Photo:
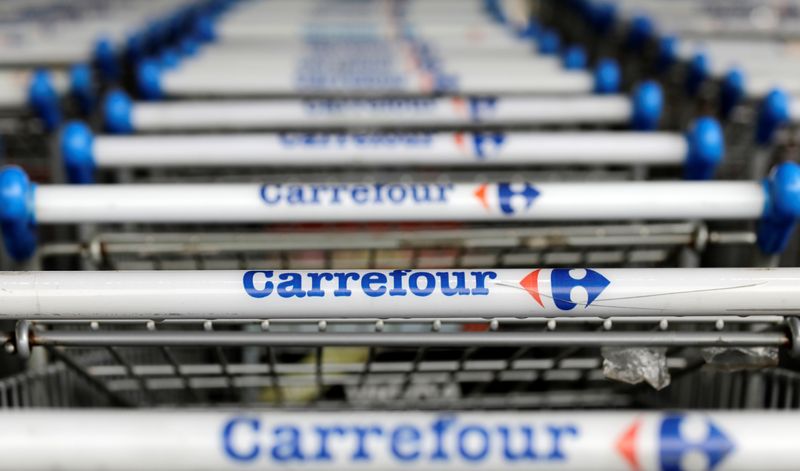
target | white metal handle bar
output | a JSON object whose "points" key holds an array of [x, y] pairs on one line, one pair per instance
{"points": [[701, 150], [353, 294], [776, 203], [641, 111], [218, 441]]}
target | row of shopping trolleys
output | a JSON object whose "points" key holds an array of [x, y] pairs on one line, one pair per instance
{"points": [[395, 253]]}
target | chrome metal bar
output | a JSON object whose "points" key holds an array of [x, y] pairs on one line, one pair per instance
{"points": [[497, 339]]}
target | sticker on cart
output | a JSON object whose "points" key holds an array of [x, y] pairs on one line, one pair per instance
{"points": [[563, 284], [684, 443]]}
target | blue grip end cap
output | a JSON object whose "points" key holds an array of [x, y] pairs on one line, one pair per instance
{"points": [[204, 29], [602, 16], [607, 77], [134, 47], [782, 208], [706, 149], [81, 87], [549, 43], [667, 53], [169, 59], [731, 92], [77, 142], [148, 80], [640, 32], [105, 58], [117, 108], [575, 58], [188, 47], [697, 73], [43, 99], [773, 113], [648, 105], [17, 220]]}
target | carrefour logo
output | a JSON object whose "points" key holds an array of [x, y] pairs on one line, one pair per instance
{"points": [[684, 443], [342, 140], [563, 283], [442, 440], [481, 145], [358, 194], [265, 283], [512, 198]]}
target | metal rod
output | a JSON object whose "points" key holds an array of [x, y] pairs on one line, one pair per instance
{"points": [[497, 339]]}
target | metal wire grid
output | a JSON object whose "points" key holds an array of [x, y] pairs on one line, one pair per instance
{"points": [[383, 363], [357, 246]]}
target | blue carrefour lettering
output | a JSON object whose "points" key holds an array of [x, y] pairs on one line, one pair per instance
{"points": [[301, 284], [357, 194], [250, 287], [342, 140], [435, 442], [229, 432]]}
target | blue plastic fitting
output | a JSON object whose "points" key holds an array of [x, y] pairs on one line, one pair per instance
{"points": [[17, 218], [105, 58], [531, 30], [781, 209], [81, 88], [77, 143], [639, 33], [706, 149], [607, 77], [602, 16], [169, 59], [117, 108], [43, 99], [697, 73], [549, 42], [648, 104], [574, 58], [667, 53], [204, 29], [188, 47], [135, 47], [148, 79], [731, 92], [773, 113]]}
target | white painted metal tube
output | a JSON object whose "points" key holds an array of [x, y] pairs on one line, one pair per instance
{"points": [[391, 149], [352, 294], [274, 202], [253, 114], [182, 82], [235, 440]]}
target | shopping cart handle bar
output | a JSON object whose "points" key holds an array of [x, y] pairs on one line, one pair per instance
{"points": [[320, 438], [407, 293], [701, 150], [22, 205]]}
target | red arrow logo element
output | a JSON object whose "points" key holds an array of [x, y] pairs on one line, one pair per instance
{"points": [[480, 193], [626, 445], [531, 285]]}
